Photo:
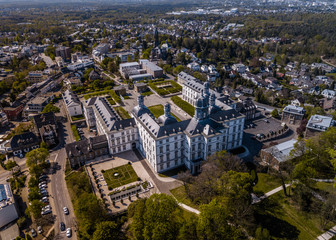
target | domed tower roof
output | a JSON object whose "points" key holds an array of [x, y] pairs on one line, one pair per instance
{"points": [[141, 108], [206, 88], [167, 118]]}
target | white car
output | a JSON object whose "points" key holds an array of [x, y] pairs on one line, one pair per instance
{"points": [[39, 229], [68, 232], [66, 210]]}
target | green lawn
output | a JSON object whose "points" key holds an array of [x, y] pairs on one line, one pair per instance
{"points": [[96, 94], [327, 187], [75, 132], [181, 196], [126, 174], [285, 221], [185, 106], [122, 112], [149, 92], [78, 117], [157, 111], [266, 183]]}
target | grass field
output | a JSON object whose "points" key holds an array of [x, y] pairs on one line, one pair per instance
{"points": [[285, 220], [181, 196], [122, 112], [126, 174], [75, 132], [185, 106], [266, 183], [157, 111]]}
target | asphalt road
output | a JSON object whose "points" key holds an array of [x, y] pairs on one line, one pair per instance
{"points": [[59, 193]]}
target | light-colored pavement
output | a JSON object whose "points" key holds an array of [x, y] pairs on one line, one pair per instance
{"points": [[49, 62], [328, 234], [256, 199], [58, 191], [188, 208]]}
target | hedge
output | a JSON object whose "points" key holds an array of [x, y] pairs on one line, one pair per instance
{"points": [[185, 106]]}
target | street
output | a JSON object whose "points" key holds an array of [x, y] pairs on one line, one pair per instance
{"points": [[59, 193]]}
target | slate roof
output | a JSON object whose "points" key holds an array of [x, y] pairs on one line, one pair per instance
{"points": [[70, 98], [86, 146], [44, 119], [108, 115], [24, 139]]}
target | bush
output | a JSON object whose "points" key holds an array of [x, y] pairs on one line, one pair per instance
{"points": [[103, 171], [10, 164], [110, 188]]}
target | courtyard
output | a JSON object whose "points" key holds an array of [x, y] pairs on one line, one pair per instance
{"points": [[120, 176]]}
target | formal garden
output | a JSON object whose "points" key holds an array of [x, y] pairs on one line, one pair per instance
{"points": [[158, 110], [165, 87], [119, 176]]}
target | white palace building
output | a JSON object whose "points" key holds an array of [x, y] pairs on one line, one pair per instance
{"points": [[165, 142]]}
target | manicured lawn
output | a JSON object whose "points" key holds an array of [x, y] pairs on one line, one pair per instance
{"points": [[285, 220], [185, 106], [75, 132], [165, 87], [122, 112], [126, 174], [181, 196], [76, 118], [266, 183], [147, 93], [96, 94], [157, 111]]}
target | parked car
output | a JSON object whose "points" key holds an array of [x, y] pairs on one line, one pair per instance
{"points": [[46, 212], [39, 229], [33, 232], [62, 226], [43, 186], [42, 183], [69, 233], [66, 210]]}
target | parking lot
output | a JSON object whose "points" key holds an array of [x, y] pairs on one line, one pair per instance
{"points": [[263, 125]]}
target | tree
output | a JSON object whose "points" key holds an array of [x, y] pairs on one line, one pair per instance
{"points": [[51, 108], [166, 212], [106, 231], [10, 164], [34, 194], [178, 69], [213, 222], [35, 208], [262, 234], [275, 113], [37, 156]]}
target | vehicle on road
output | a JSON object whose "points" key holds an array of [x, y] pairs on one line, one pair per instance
{"points": [[66, 210], [62, 226], [68, 232]]}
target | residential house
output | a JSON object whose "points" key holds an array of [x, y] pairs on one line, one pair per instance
{"points": [[23, 143], [317, 124], [292, 114], [80, 152], [47, 128], [72, 103]]}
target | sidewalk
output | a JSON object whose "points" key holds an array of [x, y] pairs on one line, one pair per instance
{"points": [[328, 234], [256, 199]]}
